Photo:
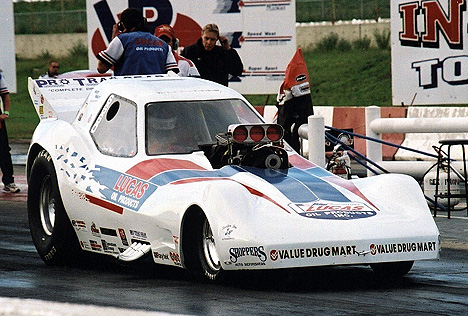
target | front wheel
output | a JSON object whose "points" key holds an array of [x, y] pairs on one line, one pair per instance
{"points": [[51, 230], [201, 256]]}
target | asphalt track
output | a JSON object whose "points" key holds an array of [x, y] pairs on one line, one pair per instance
{"points": [[29, 287]]}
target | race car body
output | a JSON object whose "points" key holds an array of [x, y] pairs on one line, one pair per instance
{"points": [[186, 171]]}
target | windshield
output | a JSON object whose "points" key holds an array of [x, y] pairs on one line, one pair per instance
{"points": [[180, 126]]}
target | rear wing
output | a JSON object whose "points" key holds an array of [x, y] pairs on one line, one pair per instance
{"points": [[60, 98]]}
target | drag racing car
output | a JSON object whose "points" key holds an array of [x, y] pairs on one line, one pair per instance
{"points": [[186, 172]]}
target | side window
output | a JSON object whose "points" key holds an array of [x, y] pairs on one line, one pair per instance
{"points": [[114, 131]]}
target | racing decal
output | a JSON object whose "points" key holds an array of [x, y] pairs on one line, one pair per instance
{"points": [[109, 247], [108, 231], [96, 246], [175, 258], [138, 234], [95, 230], [123, 237], [239, 252], [315, 252], [160, 256], [427, 246], [84, 245], [79, 225], [121, 190], [227, 230], [332, 210]]}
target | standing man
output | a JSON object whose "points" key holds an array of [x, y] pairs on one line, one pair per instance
{"points": [[6, 164], [52, 72], [134, 50], [214, 62], [186, 67]]}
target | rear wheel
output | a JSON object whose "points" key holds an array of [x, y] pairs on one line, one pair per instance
{"points": [[51, 230], [389, 270]]}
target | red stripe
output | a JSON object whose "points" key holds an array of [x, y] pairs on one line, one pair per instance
{"points": [[260, 194], [149, 168], [110, 206]]}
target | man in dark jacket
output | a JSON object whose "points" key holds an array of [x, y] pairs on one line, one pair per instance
{"points": [[214, 62]]}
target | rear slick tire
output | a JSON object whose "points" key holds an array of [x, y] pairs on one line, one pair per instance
{"points": [[50, 227]]}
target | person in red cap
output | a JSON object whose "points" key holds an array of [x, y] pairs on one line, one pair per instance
{"points": [[186, 67]]}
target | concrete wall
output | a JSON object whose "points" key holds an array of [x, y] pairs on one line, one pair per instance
{"points": [[58, 45], [308, 35]]}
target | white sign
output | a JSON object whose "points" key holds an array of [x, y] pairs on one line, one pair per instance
{"points": [[429, 52], [7, 38], [262, 32]]}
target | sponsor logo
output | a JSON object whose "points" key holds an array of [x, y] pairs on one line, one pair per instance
{"points": [[330, 210], [227, 230], [175, 258], [79, 225], [238, 252], [95, 245], [138, 234], [108, 231], [109, 247], [316, 252], [427, 246], [161, 256], [130, 189], [95, 230], [123, 237]]}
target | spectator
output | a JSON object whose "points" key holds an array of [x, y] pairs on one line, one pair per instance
{"points": [[134, 50], [214, 62], [52, 72], [6, 164], [186, 67]]}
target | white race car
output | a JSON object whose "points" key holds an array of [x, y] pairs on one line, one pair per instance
{"points": [[187, 172]]}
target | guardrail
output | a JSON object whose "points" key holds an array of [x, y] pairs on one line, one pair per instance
{"points": [[375, 127]]}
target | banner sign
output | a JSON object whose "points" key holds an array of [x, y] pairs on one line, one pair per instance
{"points": [[262, 31], [429, 52]]}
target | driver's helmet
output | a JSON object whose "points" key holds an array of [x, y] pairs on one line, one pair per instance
{"points": [[164, 119]]}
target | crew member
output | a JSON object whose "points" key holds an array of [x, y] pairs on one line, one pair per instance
{"points": [[134, 50], [214, 62]]}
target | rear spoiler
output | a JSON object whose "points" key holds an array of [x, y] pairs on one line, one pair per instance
{"points": [[60, 98]]}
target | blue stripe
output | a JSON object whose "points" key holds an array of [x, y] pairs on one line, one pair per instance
{"points": [[300, 186]]}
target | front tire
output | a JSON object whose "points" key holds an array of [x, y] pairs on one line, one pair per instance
{"points": [[201, 256], [51, 230], [392, 270]]}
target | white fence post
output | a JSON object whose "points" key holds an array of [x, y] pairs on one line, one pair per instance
{"points": [[316, 137], [373, 149]]}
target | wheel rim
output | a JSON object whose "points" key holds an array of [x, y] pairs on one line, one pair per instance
{"points": [[47, 206], [209, 248]]}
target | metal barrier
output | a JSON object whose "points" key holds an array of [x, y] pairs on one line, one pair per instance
{"points": [[375, 126]]}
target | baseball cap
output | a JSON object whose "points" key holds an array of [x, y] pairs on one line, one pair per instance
{"points": [[166, 30]]}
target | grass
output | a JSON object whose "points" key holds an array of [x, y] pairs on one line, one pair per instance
{"points": [[338, 78], [346, 78]]}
